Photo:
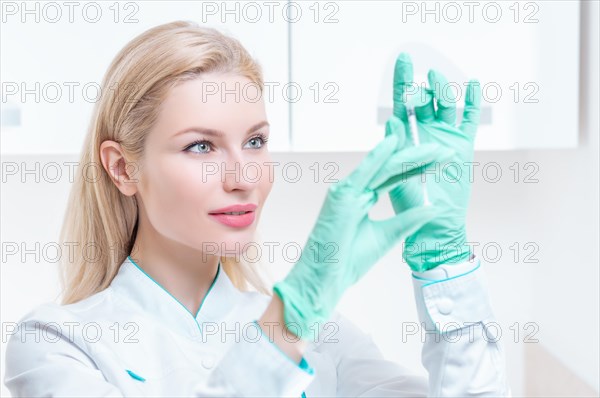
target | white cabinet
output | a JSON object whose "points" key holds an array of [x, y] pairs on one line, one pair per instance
{"points": [[525, 54], [57, 67]]}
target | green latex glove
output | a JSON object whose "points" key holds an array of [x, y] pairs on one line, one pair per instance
{"points": [[345, 243], [443, 240]]}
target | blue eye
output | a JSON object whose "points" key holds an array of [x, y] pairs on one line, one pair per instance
{"points": [[260, 137], [209, 144], [204, 143]]}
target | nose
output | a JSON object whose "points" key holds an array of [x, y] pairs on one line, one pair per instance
{"points": [[238, 174]]}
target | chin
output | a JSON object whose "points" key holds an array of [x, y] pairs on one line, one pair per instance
{"points": [[238, 243]]}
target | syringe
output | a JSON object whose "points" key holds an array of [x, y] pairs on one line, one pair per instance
{"points": [[414, 132]]}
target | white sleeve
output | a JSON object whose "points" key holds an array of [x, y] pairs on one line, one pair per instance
{"points": [[454, 311], [58, 366], [259, 369], [42, 362], [461, 352]]}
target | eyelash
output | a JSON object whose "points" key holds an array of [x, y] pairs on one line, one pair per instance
{"points": [[263, 137]]}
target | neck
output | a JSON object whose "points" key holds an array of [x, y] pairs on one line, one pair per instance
{"points": [[184, 272]]}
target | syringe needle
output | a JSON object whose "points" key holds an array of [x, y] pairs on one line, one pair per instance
{"points": [[414, 132]]}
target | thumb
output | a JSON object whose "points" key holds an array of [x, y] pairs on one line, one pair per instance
{"points": [[395, 126]]}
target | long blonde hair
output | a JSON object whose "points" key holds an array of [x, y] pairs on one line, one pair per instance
{"points": [[98, 215]]}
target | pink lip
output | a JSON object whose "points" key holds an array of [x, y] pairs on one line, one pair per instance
{"points": [[234, 208], [233, 220]]}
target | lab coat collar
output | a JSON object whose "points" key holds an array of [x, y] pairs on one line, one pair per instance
{"points": [[134, 283]]}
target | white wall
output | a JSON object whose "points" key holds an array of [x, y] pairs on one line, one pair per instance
{"points": [[564, 217]]}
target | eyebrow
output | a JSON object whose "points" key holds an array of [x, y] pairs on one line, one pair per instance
{"points": [[218, 133]]}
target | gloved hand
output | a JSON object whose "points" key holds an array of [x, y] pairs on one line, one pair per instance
{"points": [[443, 240], [344, 243]]}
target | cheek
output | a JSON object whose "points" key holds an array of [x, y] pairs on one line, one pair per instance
{"points": [[177, 197], [269, 172], [264, 186], [266, 182]]}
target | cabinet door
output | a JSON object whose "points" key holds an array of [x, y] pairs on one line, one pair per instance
{"points": [[54, 56], [525, 54]]}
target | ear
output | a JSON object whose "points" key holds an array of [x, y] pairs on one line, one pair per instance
{"points": [[122, 173]]}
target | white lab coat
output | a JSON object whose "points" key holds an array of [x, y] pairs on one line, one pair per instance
{"points": [[135, 339]]}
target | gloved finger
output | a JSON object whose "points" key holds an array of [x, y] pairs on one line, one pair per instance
{"points": [[408, 163], [423, 103], [404, 224], [444, 97], [370, 165], [396, 126], [403, 82], [407, 195], [472, 112]]}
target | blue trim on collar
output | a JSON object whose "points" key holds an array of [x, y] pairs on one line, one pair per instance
{"points": [[209, 288], [174, 298]]}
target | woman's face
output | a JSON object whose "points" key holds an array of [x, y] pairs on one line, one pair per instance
{"points": [[187, 174]]}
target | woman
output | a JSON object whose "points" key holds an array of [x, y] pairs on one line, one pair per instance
{"points": [[157, 299]]}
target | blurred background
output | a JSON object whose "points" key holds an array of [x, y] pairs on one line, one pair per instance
{"points": [[534, 209]]}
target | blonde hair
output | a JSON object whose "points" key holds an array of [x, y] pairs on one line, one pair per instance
{"points": [[98, 214]]}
